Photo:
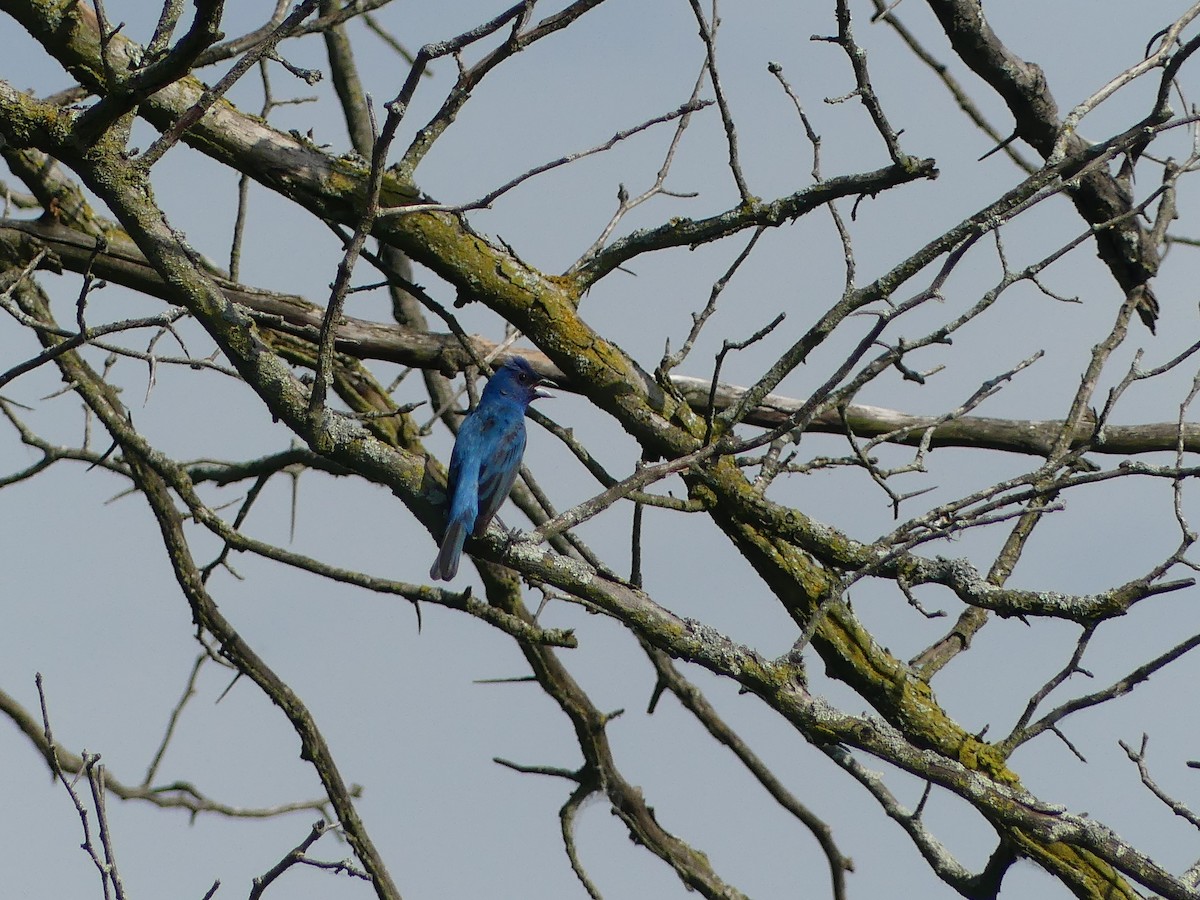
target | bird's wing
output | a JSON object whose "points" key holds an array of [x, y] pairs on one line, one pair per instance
{"points": [[462, 482], [504, 438]]}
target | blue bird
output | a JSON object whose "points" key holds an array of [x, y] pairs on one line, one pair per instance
{"points": [[486, 458]]}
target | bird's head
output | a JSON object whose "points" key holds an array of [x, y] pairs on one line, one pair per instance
{"points": [[518, 380]]}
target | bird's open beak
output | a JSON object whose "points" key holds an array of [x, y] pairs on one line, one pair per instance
{"points": [[539, 394]]}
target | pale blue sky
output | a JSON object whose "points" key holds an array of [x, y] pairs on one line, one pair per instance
{"points": [[92, 604]]}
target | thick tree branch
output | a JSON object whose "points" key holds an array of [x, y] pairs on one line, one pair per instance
{"points": [[122, 263], [1098, 196]]}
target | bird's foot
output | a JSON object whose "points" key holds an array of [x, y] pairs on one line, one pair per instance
{"points": [[511, 535]]}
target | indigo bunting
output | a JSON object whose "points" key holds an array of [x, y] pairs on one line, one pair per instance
{"points": [[486, 457]]}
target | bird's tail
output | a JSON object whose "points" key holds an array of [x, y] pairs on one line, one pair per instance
{"points": [[445, 567]]}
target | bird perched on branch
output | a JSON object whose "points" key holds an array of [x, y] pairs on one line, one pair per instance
{"points": [[486, 458]]}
